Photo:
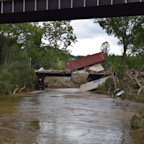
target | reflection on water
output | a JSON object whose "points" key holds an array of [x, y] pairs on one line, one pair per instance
{"points": [[62, 116]]}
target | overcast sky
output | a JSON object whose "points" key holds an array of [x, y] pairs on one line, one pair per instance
{"points": [[90, 37]]}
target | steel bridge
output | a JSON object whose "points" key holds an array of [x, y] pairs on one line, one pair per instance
{"points": [[16, 11]]}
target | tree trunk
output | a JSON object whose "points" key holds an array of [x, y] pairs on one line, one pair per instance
{"points": [[124, 61]]}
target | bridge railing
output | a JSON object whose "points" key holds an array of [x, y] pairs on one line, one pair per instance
{"points": [[16, 6]]}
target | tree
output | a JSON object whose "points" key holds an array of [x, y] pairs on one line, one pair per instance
{"points": [[38, 40], [128, 30], [105, 48], [45, 39], [46, 42]]}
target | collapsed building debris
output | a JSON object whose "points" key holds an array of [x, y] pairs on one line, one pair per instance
{"points": [[88, 73], [97, 68], [85, 61], [79, 77], [93, 84], [83, 67], [120, 93]]}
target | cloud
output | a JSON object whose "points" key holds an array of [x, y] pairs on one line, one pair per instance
{"points": [[90, 46], [86, 28], [90, 37]]}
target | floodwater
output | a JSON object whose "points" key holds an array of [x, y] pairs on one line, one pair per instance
{"points": [[64, 116]]}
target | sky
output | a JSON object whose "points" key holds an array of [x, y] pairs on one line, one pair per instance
{"points": [[90, 37]]}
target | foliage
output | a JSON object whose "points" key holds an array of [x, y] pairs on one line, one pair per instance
{"points": [[106, 88], [40, 40], [13, 72], [32, 45], [129, 31], [115, 63], [137, 121]]}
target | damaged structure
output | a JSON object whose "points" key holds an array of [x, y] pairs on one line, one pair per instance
{"points": [[85, 62], [86, 73], [86, 66]]}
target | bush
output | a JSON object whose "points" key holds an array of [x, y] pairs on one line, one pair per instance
{"points": [[15, 76], [106, 88], [138, 121], [135, 122]]}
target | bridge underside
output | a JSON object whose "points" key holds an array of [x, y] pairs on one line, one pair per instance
{"points": [[129, 9]]}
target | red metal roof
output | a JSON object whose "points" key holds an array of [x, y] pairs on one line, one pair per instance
{"points": [[85, 61]]}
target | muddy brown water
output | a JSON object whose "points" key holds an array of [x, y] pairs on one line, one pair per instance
{"points": [[65, 116]]}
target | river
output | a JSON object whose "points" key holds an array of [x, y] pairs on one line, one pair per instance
{"points": [[64, 116]]}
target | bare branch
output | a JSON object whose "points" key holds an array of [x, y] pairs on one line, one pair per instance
{"points": [[15, 90]]}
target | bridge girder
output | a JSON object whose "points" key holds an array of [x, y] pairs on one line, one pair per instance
{"points": [[16, 11]]}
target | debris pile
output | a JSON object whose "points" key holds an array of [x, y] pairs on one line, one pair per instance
{"points": [[137, 81], [93, 84], [79, 77], [131, 87], [88, 73]]}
